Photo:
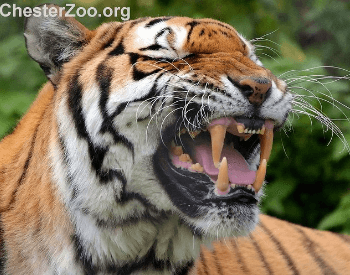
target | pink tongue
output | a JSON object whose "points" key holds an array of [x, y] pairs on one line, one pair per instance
{"points": [[238, 171]]}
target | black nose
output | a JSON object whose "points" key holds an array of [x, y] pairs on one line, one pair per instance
{"points": [[255, 89]]}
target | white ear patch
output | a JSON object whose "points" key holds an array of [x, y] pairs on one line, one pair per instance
{"points": [[180, 39], [145, 36]]}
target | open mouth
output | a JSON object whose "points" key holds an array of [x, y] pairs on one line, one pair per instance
{"points": [[221, 152], [215, 165]]}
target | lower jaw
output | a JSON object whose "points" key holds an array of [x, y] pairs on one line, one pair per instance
{"points": [[193, 193]]}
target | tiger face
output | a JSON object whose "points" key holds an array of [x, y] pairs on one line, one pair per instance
{"points": [[178, 111], [156, 118]]}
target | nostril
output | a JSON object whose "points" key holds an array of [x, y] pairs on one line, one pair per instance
{"points": [[246, 90]]}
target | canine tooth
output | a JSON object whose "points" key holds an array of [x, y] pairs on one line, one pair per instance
{"points": [[260, 176], [266, 142], [222, 183], [240, 128], [185, 158], [177, 150], [197, 167], [217, 134]]}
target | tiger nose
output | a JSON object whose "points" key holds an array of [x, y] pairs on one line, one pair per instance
{"points": [[256, 90]]}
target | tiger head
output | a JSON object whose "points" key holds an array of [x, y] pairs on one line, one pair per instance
{"points": [[160, 117]]}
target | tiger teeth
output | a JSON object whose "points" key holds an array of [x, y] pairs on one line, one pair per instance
{"points": [[252, 131], [217, 134], [260, 176], [192, 134], [197, 167], [222, 183], [185, 158], [176, 150], [240, 128]]}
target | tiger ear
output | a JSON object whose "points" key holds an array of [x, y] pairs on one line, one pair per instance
{"points": [[53, 39]]}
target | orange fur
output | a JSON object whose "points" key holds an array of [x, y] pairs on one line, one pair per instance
{"points": [[29, 204], [277, 247]]}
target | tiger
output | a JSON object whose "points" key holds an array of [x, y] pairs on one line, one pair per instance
{"points": [[147, 145]]}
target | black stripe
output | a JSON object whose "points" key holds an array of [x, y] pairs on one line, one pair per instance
{"points": [[137, 74], [118, 50], [104, 78], [112, 223], [121, 107], [137, 21], [261, 255], [219, 24], [80, 256], [281, 249], [25, 167], [69, 178], [128, 196], [184, 270], [74, 103], [311, 248], [148, 261], [192, 25], [113, 36], [154, 47], [239, 256], [156, 21], [96, 153]]}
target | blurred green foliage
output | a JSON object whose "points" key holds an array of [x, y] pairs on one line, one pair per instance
{"points": [[309, 171]]}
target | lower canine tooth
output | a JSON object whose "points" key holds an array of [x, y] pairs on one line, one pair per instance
{"points": [[266, 141], [217, 134], [185, 158], [222, 183], [260, 176]]}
